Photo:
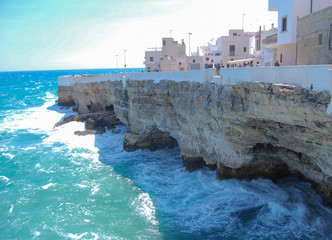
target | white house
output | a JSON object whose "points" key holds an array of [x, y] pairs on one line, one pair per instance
{"points": [[260, 45], [288, 12], [235, 46], [152, 60]]}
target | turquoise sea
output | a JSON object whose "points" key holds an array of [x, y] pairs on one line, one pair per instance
{"points": [[56, 185]]}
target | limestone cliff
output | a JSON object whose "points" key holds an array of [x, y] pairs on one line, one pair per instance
{"points": [[246, 130]]}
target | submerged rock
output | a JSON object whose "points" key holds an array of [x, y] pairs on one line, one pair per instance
{"points": [[192, 163], [100, 130], [84, 133], [90, 124]]}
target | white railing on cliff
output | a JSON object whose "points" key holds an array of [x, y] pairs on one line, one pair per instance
{"points": [[193, 76], [317, 77]]}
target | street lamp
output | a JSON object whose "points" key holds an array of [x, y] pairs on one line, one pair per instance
{"points": [[125, 59], [117, 63], [189, 44]]}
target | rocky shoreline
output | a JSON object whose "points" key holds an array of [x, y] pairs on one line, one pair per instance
{"points": [[96, 122], [244, 130]]}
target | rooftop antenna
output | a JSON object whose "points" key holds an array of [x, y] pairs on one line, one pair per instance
{"points": [[189, 43], [117, 63], [125, 65]]}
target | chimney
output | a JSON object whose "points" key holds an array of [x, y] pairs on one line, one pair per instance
{"points": [[272, 26]]}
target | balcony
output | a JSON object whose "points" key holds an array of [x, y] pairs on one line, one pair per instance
{"points": [[271, 39]]}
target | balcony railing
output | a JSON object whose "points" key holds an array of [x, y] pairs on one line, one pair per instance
{"points": [[271, 39]]}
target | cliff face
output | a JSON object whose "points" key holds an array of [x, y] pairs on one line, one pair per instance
{"points": [[246, 130]]}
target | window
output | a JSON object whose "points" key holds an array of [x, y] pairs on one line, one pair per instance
{"points": [[234, 34], [194, 61], [280, 58], [151, 59], [232, 50], [164, 42], [320, 39], [244, 49], [179, 63], [284, 24]]}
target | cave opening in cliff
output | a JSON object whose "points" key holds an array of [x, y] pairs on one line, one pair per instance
{"points": [[109, 108]]}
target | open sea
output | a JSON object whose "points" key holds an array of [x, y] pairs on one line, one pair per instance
{"points": [[56, 185]]}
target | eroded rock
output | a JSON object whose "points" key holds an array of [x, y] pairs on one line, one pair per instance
{"points": [[248, 130], [153, 141], [84, 133]]}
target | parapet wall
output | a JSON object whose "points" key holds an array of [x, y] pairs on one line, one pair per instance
{"points": [[192, 76], [318, 77], [310, 77]]}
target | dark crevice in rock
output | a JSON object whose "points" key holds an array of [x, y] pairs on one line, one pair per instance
{"points": [[109, 108], [252, 171], [268, 161], [153, 140], [70, 103], [192, 163]]}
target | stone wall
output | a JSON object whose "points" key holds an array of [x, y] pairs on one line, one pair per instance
{"points": [[310, 49]]}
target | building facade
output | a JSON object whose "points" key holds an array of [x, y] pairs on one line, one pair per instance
{"points": [[235, 46], [174, 57], [152, 60], [261, 46], [314, 38], [288, 13], [171, 58]]}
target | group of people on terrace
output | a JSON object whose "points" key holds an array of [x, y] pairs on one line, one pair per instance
{"points": [[246, 64]]}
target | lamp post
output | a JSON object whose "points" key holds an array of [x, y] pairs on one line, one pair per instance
{"points": [[125, 59], [189, 44], [117, 63]]}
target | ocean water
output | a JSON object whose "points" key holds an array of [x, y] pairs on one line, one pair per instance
{"points": [[56, 185]]}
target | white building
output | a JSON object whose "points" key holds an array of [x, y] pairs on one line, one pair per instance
{"points": [[235, 46], [261, 46], [152, 60], [288, 12], [174, 57], [171, 58]]}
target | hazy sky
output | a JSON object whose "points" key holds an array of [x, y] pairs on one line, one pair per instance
{"points": [[70, 34]]}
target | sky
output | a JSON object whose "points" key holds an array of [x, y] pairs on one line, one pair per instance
{"points": [[81, 34]]}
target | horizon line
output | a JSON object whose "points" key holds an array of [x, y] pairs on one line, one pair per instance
{"points": [[39, 70]]}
